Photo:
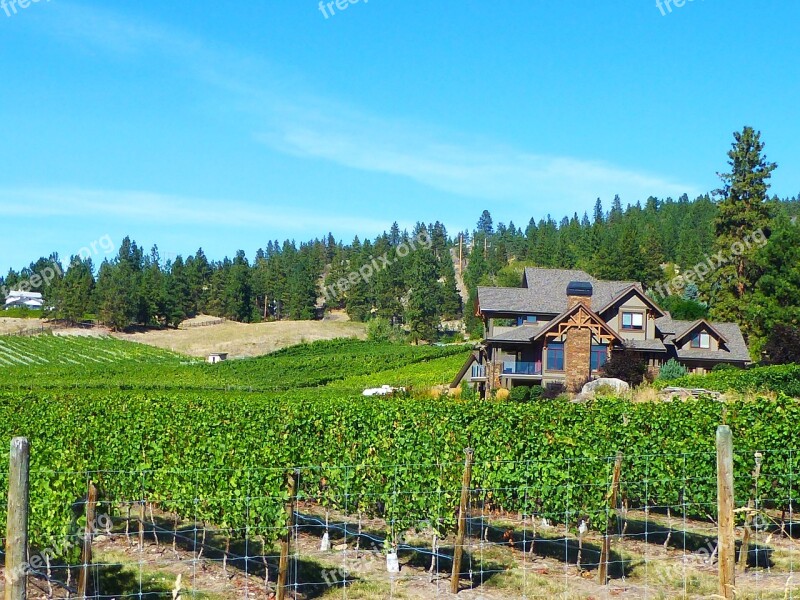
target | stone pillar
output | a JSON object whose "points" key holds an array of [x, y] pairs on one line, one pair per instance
{"points": [[585, 300], [493, 372], [577, 350]]}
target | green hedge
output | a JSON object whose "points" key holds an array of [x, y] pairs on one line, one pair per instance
{"points": [[781, 378]]}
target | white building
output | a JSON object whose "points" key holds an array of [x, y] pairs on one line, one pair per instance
{"points": [[18, 299]]}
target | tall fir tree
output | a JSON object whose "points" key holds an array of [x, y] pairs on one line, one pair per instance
{"points": [[742, 211]]}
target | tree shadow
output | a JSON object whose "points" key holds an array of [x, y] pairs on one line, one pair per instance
{"points": [[651, 532]]}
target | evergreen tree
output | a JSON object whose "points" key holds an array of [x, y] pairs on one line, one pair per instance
{"points": [[238, 298], [485, 225], [75, 293], [117, 294], [742, 211], [775, 300], [423, 311]]}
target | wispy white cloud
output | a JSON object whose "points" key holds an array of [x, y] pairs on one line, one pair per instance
{"points": [[309, 126], [137, 207], [475, 169]]}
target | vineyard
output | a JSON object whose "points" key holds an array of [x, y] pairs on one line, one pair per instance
{"points": [[207, 448], [57, 351], [51, 362]]}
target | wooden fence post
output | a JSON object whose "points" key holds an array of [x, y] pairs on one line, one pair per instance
{"points": [[86, 551], [283, 565], [462, 520], [725, 503], [748, 520], [17, 535], [613, 497]]}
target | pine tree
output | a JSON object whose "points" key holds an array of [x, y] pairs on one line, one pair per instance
{"points": [[742, 212], [485, 225], [117, 293], [423, 311], [238, 292], [776, 297], [75, 293]]}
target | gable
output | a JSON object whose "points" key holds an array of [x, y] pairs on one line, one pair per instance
{"points": [[579, 317], [632, 297]]}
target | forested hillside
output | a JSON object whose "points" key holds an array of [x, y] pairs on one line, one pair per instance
{"points": [[409, 278]]}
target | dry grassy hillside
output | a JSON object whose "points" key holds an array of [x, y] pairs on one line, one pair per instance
{"points": [[240, 340]]}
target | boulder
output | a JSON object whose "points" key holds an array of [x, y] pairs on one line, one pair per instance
{"points": [[617, 385]]}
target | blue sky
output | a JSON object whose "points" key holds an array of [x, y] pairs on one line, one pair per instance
{"points": [[225, 125]]}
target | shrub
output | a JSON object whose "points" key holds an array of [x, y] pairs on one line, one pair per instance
{"points": [[672, 369], [552, 391], [467, 393], [627, 366], [535, 393], [606, 390], [502, 394], [725, 367], [783, 345], [520, 394], [477, 332], [381, 330], [451, 337]]}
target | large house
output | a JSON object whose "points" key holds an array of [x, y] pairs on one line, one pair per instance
{"points": [[561, 327], [18, 299]]}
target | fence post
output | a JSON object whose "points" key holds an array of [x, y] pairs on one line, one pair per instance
{"points": [[86, 551], [283, 565], [748, 521], [605, 552], [725, 504], [462, 520], [17, 535]]}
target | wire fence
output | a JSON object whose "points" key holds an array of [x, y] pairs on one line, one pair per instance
{"points": [[584, 527]]}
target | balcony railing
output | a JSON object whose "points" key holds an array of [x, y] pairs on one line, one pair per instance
{"points": [[511, 367], [478, 372]]}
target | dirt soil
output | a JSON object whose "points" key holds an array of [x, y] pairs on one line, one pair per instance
{"points": [[499, 562], [15, 326]]}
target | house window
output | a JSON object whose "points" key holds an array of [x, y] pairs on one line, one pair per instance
{"points": [[555, 356], [599, 357], [528, 319], [701, 340], [633, 321]]}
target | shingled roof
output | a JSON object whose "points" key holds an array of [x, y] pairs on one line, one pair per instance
{"points": [[523, 333], [735, 348], [545, 291]]}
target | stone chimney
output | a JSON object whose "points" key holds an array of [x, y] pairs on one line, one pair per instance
{"points": [[578, 344], [579, 292]]}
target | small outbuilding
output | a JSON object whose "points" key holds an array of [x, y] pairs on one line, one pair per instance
{"points": [[217, 357]]}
